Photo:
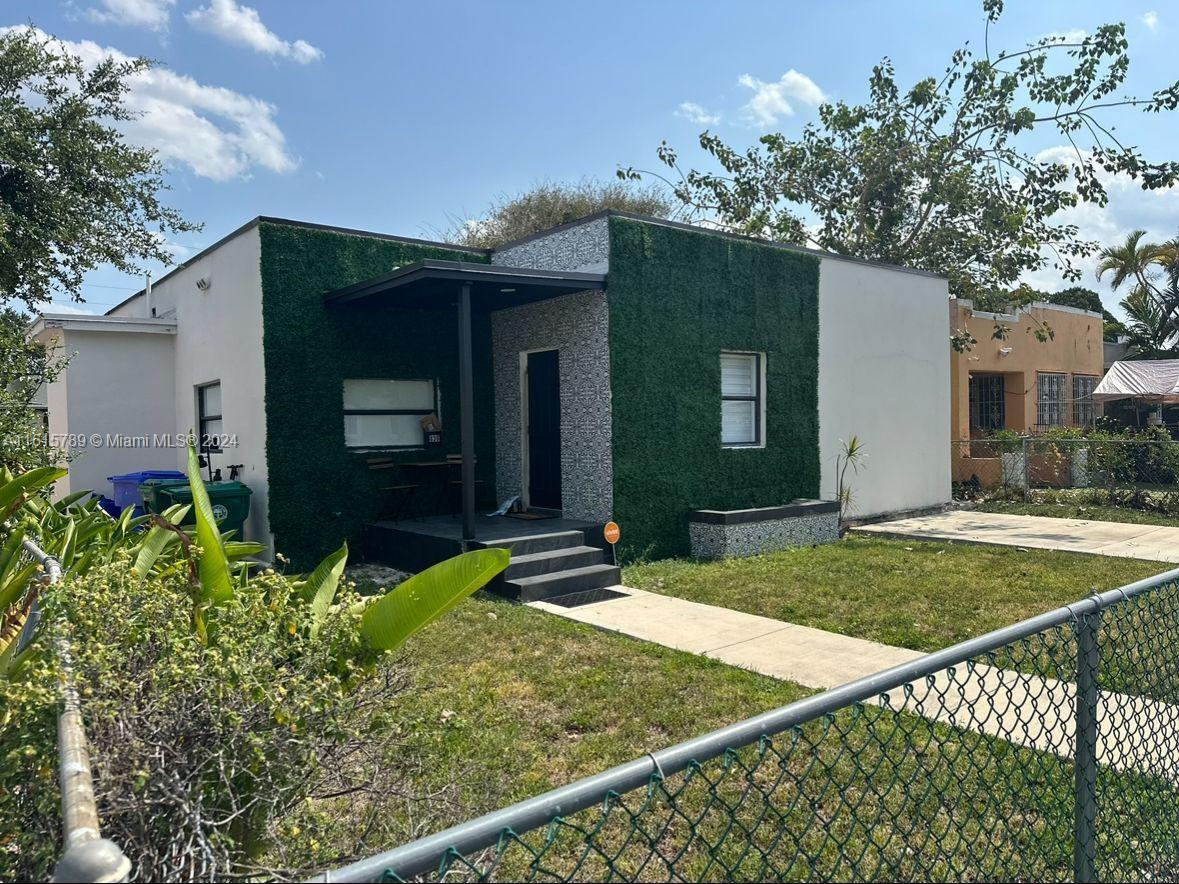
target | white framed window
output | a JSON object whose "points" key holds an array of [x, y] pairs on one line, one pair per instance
{"points": [[743, 401], [1085, 410], [209, 423], [386, 413], [1050, 399]]}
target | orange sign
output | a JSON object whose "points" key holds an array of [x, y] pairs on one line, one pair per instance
{"points": [[612, 532]]}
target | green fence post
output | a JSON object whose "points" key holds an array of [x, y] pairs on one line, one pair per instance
{"points": [[1085, 755]]}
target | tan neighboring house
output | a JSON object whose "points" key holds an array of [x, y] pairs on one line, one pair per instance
{"points": [[1019, 382]]}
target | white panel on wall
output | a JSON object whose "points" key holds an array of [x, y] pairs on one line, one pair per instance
{"points": [[884, 376]]}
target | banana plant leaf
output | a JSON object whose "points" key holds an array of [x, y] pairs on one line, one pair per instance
{"points": [[241, 549], [213, 570], [393, 618], [13, 491], [319, 590]]}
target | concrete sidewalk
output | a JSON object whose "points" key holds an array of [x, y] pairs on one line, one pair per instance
{"points": [[1157, 543], [1020, 708], [811, 657]]}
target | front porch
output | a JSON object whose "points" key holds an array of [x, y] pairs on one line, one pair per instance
{"points": [[551, 557], [539, 422]]}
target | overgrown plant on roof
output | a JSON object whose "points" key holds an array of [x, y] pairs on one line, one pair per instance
{"points": [[551, 203]]}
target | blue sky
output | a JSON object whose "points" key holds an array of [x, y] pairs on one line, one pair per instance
{"points": [[400, 117]]}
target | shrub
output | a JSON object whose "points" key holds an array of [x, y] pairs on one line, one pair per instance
{"points": [[217, 701]]}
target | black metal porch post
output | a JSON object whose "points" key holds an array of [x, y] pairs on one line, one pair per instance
{"points": [[467, 414]]}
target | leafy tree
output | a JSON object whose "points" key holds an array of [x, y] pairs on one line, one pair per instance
{"points": [[1086, 299], [1152, 306], [25, 366], [548, 204], [940, 175], [1078, 297], [73, 193]]}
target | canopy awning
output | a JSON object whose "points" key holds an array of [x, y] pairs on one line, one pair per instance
{"points": [[435, 284], [1152, 380], [464, 287]]}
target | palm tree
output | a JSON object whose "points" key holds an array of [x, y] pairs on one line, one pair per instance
{"points": [[1133, 259], [1147, 327], [1152, 307]]}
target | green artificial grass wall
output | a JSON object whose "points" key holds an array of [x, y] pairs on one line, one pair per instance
{"points": [[320, 491], [677, 298]]}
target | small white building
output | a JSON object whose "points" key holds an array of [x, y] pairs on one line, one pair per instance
{"points": [[621, 368]]}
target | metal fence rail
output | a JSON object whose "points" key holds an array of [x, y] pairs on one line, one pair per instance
{"points": [[87, 856], [1048, 750]]}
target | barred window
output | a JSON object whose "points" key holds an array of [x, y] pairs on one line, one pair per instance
{"points": [[1084, 408], [987, 406], [1050, 400]]}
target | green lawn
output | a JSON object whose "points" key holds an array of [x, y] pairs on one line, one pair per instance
{"points": [[908, 593], [1079, 511], [502, 702]]}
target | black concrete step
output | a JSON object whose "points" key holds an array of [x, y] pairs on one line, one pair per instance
{"points": [[550, 561], [528, 544], [543, 586]]}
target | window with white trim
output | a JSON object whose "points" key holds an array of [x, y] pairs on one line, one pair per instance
{"points": [[383, 413], [209, 424], [1050, 399], [742, 399], [1085, 410]]}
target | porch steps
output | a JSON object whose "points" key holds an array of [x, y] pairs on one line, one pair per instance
{"points": [[547, 565], [534, 543], [546, 586], [551, 561]]}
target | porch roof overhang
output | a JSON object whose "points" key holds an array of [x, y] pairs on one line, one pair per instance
{"points": [[433, 284]]}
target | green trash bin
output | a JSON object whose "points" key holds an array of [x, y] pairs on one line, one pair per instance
{"points": [[230, 501], [154, 493]]}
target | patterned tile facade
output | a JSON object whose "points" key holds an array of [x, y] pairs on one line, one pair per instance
{"points": [[752, 538], [584, 248], [577, 326]]}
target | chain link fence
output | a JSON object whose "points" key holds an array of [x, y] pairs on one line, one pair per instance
{"points": [[1045, 751], [1122, 470]]}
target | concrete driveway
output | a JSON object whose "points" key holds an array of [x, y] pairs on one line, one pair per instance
{"points": [[1152, 542]]}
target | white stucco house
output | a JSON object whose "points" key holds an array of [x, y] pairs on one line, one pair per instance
{"points": [[616, 367]]}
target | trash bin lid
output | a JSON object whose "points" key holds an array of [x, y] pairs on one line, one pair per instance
{"points": [[215, 489], [145, 475]]}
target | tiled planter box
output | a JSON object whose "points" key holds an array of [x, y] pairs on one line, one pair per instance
{"points": [[719, 534]]}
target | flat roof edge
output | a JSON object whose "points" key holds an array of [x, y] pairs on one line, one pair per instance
{"points": [[307, 225], [696, 228], [95, 322]]}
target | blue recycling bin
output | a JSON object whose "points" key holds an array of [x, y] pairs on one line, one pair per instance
{"points": [[127, 486]]}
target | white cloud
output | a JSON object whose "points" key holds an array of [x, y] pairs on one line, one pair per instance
{"points": [[242, 25], [694, 113], [1151, 19], [216, 132], [151, 14], [73, 308], [1129, 208], [772, 101]]}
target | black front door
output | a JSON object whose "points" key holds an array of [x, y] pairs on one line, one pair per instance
{"points": [[544, 430]]}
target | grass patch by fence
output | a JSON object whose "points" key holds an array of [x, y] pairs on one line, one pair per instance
{"points": [[504, 702], [1069, 510], [913, 594]]}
